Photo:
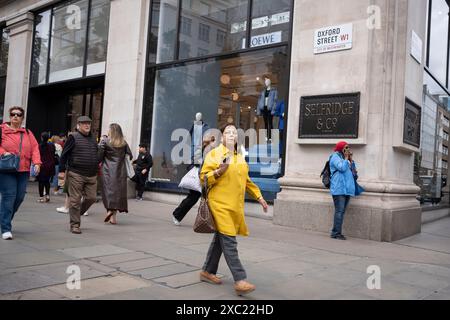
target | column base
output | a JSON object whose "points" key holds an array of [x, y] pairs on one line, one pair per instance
{"points": [[373, 216]]}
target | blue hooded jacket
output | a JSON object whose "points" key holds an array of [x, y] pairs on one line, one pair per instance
{"points": [[342, 180]]}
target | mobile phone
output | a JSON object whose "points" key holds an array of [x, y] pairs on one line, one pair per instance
{"points": [[225, 160]]}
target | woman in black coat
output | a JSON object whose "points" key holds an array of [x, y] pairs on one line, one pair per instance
{"points": [[48, 158], [113, 151]]}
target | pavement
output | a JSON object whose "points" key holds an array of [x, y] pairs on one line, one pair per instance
{"points": [[146, 257]]}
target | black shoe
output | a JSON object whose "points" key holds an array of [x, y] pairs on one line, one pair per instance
{"points": [[339, 237]]}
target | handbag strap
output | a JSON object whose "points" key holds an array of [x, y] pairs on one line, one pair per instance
{"points": [[205, 190]]}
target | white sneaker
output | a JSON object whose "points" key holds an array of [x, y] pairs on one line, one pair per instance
{"points": [[86, 213], [175, 221], [7, 236], [62, 210]]}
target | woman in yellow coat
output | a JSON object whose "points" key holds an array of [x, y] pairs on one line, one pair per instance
{"points": [[227, 175]]}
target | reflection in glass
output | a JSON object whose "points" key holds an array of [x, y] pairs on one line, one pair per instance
{"points": [[163, 31], [4, 50], [98, 37], [269, 17], [224, 91], [439, 39], [40, 48], [214, 27], [68, 40]]}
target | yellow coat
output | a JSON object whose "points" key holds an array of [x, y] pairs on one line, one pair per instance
{"points": [[227, 193]]}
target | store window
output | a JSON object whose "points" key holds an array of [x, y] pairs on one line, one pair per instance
{"points": [[70, 41], [225, 91], [439, 40], [216, 24], [4, 51], [228, 86]]}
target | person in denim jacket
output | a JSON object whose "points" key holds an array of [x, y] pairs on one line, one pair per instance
{"points": [[342, 185]]}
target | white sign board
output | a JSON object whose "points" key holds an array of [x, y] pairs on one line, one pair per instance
{"points": [[333, 38], [264, 39], [416, 47]]}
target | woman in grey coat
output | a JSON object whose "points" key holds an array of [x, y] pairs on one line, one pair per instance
{"points": [[112, 152]]}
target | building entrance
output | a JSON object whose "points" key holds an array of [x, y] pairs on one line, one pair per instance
{"points": [[56, 108]]}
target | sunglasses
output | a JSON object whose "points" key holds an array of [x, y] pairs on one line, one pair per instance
{"points": [[16, 114]]}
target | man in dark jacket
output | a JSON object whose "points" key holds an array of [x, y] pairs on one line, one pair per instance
{"points": [[143, 163], [79, 158]]}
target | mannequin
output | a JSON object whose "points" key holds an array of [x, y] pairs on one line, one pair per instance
{"points": [[267, 105], [198, 129]]}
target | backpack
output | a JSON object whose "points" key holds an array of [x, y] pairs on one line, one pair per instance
{"points": [[326, 175]]}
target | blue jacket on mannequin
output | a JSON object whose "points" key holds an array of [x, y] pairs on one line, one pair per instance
{"points": [[271, 104]]}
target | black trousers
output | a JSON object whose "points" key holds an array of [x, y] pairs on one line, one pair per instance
{"points": [[44, 185], [140, 180], [268, 122], [186, 204]]}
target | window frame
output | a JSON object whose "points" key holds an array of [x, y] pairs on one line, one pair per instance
{"points": [[151, 68], [446, 84], [50, 38]]}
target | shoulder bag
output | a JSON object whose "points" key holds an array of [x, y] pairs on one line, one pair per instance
{"points": [[204, 223], [11, 162]]}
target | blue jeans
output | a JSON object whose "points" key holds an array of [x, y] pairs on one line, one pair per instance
{"points": [[12, 190], [55, 178], [340, 204]]}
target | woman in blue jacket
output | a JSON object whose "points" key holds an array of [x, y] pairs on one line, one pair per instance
{"points": [[342, 185]]}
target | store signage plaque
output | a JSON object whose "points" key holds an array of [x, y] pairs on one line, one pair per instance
{"points": [[329, 116], [411, 126]]}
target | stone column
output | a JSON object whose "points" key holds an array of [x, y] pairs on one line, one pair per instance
{"points": [[125, 68], [125, 71], [380, 67], [19, 59]]}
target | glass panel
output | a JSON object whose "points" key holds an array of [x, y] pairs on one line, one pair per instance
{"points": [[2, 97], [68, 40], [212, 27], [439, 39], [429, 172], [98, 37], [270, 22], [163, 31], [224, 91], [40, 48], [4, 50]]}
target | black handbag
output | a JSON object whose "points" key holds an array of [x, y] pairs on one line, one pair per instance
{"points": [[11, 162]]}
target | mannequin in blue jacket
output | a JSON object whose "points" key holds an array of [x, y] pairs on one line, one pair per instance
{"points": [[267, 103], [342, 185]]}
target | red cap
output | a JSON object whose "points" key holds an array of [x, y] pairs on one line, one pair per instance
{"points": [[340, 146]]}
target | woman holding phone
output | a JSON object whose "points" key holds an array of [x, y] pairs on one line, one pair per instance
{"points": [[342, 186], [226, 173]]}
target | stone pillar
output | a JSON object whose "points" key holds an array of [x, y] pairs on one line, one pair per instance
{"points": [[19, 59], [380, 67], [125, 68]]}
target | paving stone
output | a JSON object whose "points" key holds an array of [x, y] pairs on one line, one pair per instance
{"points": [[339, 275], [162, 271], [438, 296], [33, 258], [420, 279], [93, 288], [393, 290], [117, 258], [386, 267], [36, 294], [326, 258], [142, 264], [94, 251], [13, 247], [22, 279], [440, 271], [181, 280], [288, 266]]}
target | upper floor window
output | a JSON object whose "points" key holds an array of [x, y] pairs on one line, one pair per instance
{"points": [[203, 32], [70, 41]]}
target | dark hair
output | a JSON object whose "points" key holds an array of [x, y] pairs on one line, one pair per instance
{"points": [[17, 108], [44, 138], [143, 145]]}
